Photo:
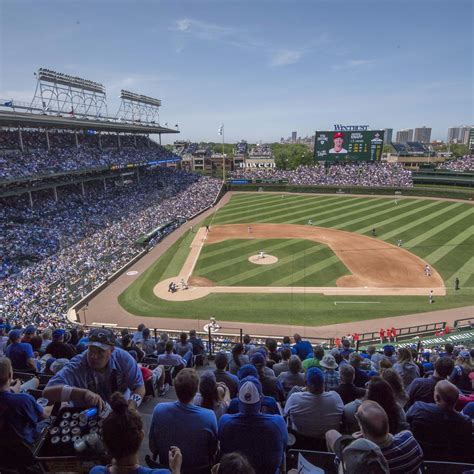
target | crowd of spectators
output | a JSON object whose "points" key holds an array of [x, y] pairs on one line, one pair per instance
{"points": [[403, 407], [64, 160], [53, 252], [464, 163], [347, 174]]}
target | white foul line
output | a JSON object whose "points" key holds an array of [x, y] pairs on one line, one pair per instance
{"points": [[356, 302]]}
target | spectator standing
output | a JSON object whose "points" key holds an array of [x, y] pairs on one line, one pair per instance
{"points": [[346, 348], [138, 334], [161, 344], [248, 345], [302, 348], [170, 359], [184, 348], [198, 346], [193, 429], [262, 438], [148, 344]]}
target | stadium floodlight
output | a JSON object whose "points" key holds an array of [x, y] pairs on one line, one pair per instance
{"points": [[139, 108], [63, 94]]}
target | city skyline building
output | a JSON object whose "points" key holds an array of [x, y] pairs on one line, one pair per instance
{"points": [[422, 134], [405, 135], [387, 135]]}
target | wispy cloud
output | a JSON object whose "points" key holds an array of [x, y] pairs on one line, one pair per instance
{"points": [[352, 64], [203, 29], [286, 57]]}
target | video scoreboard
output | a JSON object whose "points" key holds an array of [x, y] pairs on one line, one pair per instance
{"points": [[363, 145]]}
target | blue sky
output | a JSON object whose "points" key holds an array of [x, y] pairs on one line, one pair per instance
{"points": [[262, 67]]}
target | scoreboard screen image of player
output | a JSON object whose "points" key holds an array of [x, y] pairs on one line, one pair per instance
{"points": [[366, 145]]}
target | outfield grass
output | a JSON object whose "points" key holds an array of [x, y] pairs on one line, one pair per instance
{"points": [[441, 232]]}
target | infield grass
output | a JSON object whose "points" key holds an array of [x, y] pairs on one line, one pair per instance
{"points": [[441, 232]]}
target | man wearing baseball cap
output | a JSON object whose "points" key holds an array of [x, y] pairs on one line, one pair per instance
{"points": [[20, 353], [314, 411], [91, 377], [338, 138], [58, 348], [262, 438]]}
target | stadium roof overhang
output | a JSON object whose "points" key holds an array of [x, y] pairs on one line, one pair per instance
{"points": [[28, 120]]}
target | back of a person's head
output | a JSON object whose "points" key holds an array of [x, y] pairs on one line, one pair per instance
{"points": [[285, 353], [444, 366], [186, 385], [246, 371], [449, 348], [404, 355], [380, 391], [47, 334], [247, 339], [192, 333], [446, 393], [122, 430], [237, 349], [208, 389], [294, 364], [393, 379], [346, 373], [373, 419], [355, 359], [346, 344], [183, 337], [371, 350], [126, 340], [124, 332], [169, 346], [141, 327], [5, 370], [271, 344], [233, 463], [286, 340], [36, 342], [385, 364], [221, 360], [146, 333], [297, 337], [318, 352], [164, 336]]}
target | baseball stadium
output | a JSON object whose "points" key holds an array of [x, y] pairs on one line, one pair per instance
{"points": [[198, 305]]}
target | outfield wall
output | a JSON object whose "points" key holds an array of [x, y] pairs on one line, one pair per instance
{"points": [[422, 191]]}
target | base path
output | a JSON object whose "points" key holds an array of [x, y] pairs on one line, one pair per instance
{"points": [[377, 267]]}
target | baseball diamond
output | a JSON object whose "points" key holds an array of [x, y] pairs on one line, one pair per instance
{"points": [[435, 232]]}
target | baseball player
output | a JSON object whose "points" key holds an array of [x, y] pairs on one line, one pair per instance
{"points": [[249, 229], [184, 285], [399, 242], [310, 222], [430, 297], [427, 270], [373, 232]]}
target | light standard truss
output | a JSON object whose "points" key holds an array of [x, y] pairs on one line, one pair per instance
{"points": [[58, 93], [138, 108]]}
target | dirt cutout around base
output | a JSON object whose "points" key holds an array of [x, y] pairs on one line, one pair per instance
{"points": [[266, 260], [376, 267]]}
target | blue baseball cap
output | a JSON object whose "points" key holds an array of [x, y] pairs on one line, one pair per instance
{"points": [[30, 330], [315, 377], [58, 333], [257, 359], [389, 349], [14, 334], [246, 371]]}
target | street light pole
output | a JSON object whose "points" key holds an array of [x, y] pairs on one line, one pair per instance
{"points": [[223, 155]]}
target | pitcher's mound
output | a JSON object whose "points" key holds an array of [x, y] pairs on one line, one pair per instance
{"points": [[266, 260]]}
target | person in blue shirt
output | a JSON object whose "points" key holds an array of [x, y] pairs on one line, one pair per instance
{"points": [[302, 348], [122, 433], [183, 424], [262, 438], [18, 410], [20, 353], [268, 404], [90, 378]]}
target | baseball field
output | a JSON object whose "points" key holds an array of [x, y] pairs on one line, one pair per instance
{"points": [[313, 260]]}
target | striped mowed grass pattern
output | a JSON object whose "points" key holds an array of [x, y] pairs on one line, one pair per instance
{"points": [[441, 232]]}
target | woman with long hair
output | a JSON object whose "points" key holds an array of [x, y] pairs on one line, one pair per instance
{"points": [[122, 433], [395, 381], [405, 367], [238, 358], [212, 395]]}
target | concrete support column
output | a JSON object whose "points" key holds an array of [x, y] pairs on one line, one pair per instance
{"points": [[47, 139], [55, 193], [83, 191], [20, 139], [30, 195], [77, 139]]}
